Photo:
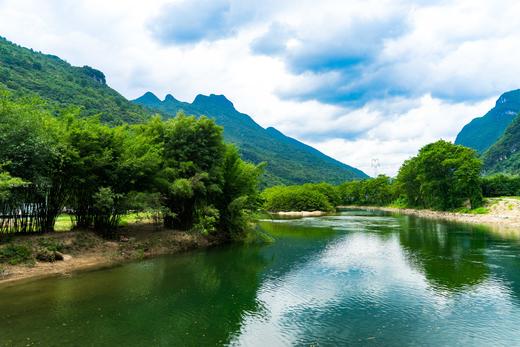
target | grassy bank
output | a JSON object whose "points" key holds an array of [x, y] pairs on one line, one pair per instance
{"points": [[24, 257]]}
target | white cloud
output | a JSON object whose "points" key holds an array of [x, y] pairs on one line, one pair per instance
{"points": [[396, 137], [445, 61]]}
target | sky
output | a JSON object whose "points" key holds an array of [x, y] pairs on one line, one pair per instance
{"points": [[357, 79]]}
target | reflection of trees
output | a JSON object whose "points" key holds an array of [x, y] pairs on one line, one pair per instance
{"points": [[450, 255], [295, 245], [196, 299]]}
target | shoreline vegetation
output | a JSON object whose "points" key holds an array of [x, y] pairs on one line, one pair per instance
{"points": [[501, 214], [56, 162], [84, 250]]}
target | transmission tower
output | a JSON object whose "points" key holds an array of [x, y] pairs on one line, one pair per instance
{"points": [[375, 165]]}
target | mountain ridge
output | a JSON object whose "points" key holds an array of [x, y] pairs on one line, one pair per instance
{"points": [[25, 73], [482, 132], [289, 160]]}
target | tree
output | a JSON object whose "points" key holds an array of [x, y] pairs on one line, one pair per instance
{"points": [[191, 176], [32, 145], [377, 191], [295, 198], [239, 193], [7, 183], [442, 176], [180, 167]]}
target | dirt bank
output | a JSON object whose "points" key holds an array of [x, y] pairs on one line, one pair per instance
{"points": [[503, 214], [84, 250]]}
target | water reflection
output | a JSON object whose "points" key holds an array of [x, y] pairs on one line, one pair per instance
{"points": [[451, 256], [350, 279], [193, 299], [384, 279]]}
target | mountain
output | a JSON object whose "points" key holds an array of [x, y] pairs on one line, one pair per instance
{"points": [[26, 72], [483, 132], [504, 155], [289, 161]]}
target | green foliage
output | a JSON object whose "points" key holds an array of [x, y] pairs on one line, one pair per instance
{"points": [[7, 183], [331, 192], [32, 145], [481, 133], [179, 170], [149, 203], [51, 245], [26, 72], [501, 185], [190, 178], [377, 191], [478, 210], [107, 209], [239, 196], [288, 160], [295, 198], [15, 254], [207, 219], [442, 176], [504, 155]]}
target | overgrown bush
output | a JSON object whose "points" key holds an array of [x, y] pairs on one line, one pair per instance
{"points": [[377, 191], [295, 198], [501, 185], [443, 176], [15, 254]]}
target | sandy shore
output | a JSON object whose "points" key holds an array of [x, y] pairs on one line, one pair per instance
{"points": [[504, 214], [299, 213], [87, 251]]}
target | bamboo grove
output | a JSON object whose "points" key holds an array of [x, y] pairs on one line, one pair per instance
{"points": [[54, 161]]}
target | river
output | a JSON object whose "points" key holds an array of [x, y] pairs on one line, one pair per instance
{"points": [[355, 278]]}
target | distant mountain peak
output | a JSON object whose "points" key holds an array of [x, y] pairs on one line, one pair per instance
{"points": [[213, 100], [482, 132], [170, 98], [507, 96], [289, 161], [274, 131], [148, 98]]}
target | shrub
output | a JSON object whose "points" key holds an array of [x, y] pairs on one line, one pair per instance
{"points": [[15, 254], [501, 185], [295, 198], [377, 191]]}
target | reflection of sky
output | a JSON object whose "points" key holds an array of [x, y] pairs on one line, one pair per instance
{"points": [[361, 286]]}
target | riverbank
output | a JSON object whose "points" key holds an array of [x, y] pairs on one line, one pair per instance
{"points": [[299, 213], [62, 254], [502, 213]]}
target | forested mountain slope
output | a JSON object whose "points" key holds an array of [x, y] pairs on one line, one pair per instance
{"points": [[289, 161], [26, 72], [504, 155], [484, 131]]}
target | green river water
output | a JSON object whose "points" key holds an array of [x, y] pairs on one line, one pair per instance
{"points": [[356, 278]]}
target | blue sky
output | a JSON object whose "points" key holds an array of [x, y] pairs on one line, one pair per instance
{"points": [[357, 79]]}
